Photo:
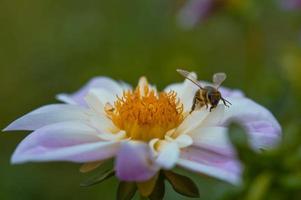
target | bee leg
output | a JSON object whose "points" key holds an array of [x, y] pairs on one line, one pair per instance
{"points": [[193, 104], [211, 108], [192, 108]]}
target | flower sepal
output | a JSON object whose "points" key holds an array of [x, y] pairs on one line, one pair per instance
{"points": [[153, 189], [98, 178]]}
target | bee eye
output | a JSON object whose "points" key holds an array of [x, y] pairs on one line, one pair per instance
{"points": [[213, 98]]}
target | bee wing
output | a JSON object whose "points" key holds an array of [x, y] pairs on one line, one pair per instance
{"points": [[218, 79], [188, 76]]}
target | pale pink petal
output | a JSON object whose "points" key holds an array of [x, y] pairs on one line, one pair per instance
{"points": [[210, 163], [104, 83], [66, 141], [264, 130], [49, 114], [135, 162], [214, 139]]}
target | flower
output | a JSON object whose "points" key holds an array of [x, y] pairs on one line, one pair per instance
{"points": [[291, 4], [195, 11], [143, 129]]}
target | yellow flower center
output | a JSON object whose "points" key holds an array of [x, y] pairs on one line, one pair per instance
{"points": [[144, 114]]}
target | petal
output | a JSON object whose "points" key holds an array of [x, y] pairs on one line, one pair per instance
{"points": [[192, 121], [66, 141], [97, 98], [214, 139], [210, 163], [49, 114], [105, 83], [66, 99], [168, 154], [113, 136], [185, 91], [184, 140], [134, 162], [226, 92], [102, 123], [261, 125]]}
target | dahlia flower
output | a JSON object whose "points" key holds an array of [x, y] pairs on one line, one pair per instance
{"points": [[291, 4], [194, 12], [145, 131]]}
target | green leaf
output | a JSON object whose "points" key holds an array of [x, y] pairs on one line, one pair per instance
{"points": [[259, 188], [182, 184], [126, 190], [292, 181], [98, 179], [159, 190]]}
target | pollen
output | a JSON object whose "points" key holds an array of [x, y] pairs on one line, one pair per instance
{"points": [[145, 114]]}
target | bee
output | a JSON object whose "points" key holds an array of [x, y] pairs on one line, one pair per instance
{"points": [[208, 94]]}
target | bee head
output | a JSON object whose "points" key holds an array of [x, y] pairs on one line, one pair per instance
{"points": [[214, 97]]}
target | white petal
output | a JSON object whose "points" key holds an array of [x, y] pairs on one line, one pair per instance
{"points": [[113, 136], [185, 92], [97, 99], [66, 99], [215, 117], [152, 146], [102, 123], [214, 139], [49, 114], [192, 121], [168, 154], [184, 140]]}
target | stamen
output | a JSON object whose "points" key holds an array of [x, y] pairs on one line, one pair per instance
{"points": [[144, 114]]}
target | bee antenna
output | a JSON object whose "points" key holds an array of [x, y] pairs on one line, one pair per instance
{"points": [[226, 101]]}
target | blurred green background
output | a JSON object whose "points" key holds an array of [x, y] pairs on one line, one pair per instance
{"points": [[48, 47]]}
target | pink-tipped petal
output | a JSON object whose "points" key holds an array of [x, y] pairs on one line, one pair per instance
{"points": [[134, 162], [48, 114], [65, 141], [263, 129], [104, 83], [210, 163]]}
